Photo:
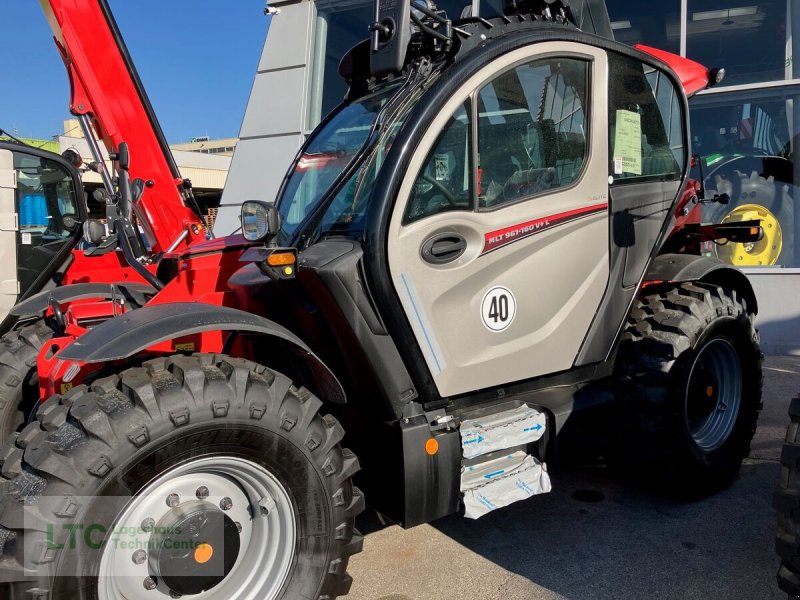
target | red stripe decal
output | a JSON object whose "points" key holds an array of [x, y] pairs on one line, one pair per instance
{"points": [[502, 237]]}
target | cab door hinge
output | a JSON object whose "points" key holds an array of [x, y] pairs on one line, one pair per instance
{"points": [[9, 222], [10, 287], [8, 179]]}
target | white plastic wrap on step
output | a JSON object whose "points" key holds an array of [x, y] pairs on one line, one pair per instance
{"points": [[507, 429], [502, 481]]}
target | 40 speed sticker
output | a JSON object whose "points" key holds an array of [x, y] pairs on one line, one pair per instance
{"points": [[498, 308]]}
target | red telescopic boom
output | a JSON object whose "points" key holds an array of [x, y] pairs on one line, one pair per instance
{"points": [[107, 91]]}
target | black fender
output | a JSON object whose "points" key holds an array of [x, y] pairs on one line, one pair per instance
{"points": [[128, 334], [138, 293], [682, 268]]}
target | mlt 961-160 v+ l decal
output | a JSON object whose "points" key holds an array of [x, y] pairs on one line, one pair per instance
{"points": [[508, 235]]}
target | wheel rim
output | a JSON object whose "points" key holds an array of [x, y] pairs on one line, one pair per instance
{"points": [[713, 394], [239, 492], [761, 253]]}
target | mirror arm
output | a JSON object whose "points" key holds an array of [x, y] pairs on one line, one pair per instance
{"points": [[701, 194]]}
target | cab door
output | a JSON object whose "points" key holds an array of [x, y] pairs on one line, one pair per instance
{"points": [[41, 211], [499, 241]]}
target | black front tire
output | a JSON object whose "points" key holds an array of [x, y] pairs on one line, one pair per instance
{"points": [[668, 330], [19, 383], [113, 438]]}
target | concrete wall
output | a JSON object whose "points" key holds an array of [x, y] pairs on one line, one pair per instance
{"points": [[778, 293], [273, 126]]}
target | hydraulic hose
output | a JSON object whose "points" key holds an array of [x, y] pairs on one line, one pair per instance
{"points": [[127, 252]]}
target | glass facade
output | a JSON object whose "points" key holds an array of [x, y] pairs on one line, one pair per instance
{"points": [[652, 24], [750, 39], [748, 142], [340, 25], [746, 130]]}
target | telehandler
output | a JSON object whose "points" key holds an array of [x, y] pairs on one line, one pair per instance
{"points": [[492, 237]]}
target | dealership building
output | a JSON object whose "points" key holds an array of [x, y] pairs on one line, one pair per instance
{"points": [[747, 129]]}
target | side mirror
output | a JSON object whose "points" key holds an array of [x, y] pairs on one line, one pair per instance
{"points": [[70, 222], [260, 220], [137, 189], [390, 36], [93, 231], [73, 157]]}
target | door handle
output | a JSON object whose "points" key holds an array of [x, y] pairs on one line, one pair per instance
{"points": [[443, 248]]}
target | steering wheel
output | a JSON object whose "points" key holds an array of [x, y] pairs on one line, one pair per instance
{"points": [[448, 195]]}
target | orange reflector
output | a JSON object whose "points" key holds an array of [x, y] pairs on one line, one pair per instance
{"points": [[280, 259], [754, 231], [709, 391], [431, 446], [203, 553]]}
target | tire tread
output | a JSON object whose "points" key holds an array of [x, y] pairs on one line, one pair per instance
{"points": [[78, 439], [663, 328], [786, 502]]}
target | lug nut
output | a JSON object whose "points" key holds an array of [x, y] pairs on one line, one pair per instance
{"points": [[173, 594], [148, 525], [150, 583], [139, 557], [238, 526], [226, 503], [202, 492], [267, 505], [173, 500]]}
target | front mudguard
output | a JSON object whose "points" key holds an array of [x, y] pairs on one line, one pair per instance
{"points": [[129, 334], [37, 305]]}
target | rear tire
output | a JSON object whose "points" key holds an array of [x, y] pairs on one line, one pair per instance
{"points": [[175, 425], [787, 506], [691, 370], [19, 383]]}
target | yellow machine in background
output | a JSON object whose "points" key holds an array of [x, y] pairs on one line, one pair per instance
{"points": [[753, 254]]}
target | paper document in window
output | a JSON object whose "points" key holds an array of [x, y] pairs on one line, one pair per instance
{"points": [[628, 143]]}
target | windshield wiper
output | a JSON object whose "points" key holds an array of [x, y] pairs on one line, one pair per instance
{"points": [[417, 76]]}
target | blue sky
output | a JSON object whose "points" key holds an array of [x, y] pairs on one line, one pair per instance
{"points": [[197, 61]]}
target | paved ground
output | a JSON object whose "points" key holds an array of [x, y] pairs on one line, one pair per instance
{"points": [[580, 544]]}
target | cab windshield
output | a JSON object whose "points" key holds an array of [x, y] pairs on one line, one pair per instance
{"points": [[326, 155]]}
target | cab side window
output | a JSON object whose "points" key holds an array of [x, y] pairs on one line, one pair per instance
{"points": [[46, 203], [532, 130], [532, 139], [445, 181], [46, 194], [645, 119]]}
